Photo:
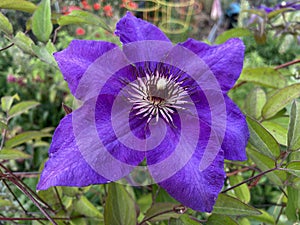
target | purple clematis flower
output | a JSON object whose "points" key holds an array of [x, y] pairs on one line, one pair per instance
{"points": [[295, 5], [149, 101]]}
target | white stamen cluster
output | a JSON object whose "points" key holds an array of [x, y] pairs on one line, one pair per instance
{"points": [[156, 95]]}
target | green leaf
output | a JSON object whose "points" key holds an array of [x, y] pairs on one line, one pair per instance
{"points": [[21, 5], [255, 101], [3, 125], [277, 12], [21, 108], [264, 217], [5, 25], [293, 167], [280, 100], [43, 54], [83, 17], [41, 21], [161, 211], [216, 219], [293, 204], [51, 197], [187, 220], [5, 203], [119, 207], [25, 137], [227, 205], [6, 154], [258, 12], [262, 140], [24, 43], [174, 221], [144, 202], [235, 32], [6, 103], [86, 208], [265, 163], [241, 192], [277, 131], [294, 127], [265, 76]]}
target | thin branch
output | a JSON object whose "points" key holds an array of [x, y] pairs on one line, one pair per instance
{"points": [[60, 201], [7, 47], [55, 34], [31, 219], [249, 179], [155, 215], [15, 197], [287, 64], [37, 204], [238, 85], [31, 194], [238, 171]]}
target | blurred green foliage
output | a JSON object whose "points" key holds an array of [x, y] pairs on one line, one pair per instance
{"points": [[262, 190]]}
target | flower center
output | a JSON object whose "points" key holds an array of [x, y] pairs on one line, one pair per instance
{"points": [[157, 95]]}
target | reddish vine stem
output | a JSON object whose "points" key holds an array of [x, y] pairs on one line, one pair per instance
{"points": [[238, 171], [15, 197], [26, 186], [249, 179], [287, 64], [31, 219], [37, 204]]}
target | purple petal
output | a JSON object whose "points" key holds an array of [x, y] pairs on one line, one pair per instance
{"points": [[131, 29], [74, 60], [225, 60], [237, 133], [194, 188], [66, 166]]}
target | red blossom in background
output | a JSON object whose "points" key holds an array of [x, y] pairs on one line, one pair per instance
{"points": [[129, 3], [68, 9], [80, 31], [11, 78], [108, 10], [86, 5], [96, 6]]}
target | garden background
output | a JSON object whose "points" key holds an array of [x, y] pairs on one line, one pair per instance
{"points": [[265, 189]]}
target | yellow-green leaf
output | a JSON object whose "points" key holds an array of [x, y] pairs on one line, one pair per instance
{"points": [[255, 101], [279, 11], [227, 205], [280, 100], [218, 219], [262, 140], [294, 127], [293, 204], [24, 43], [41, 21], [5, 25], [83, 17], [264, 217], [21, 108], [86, 208], [265, 163], [6, 154], [21, 5], [235, 32], [265, 76], [277, 131], [25, 137], [242, 191], [6, 102], [119, 207]]}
